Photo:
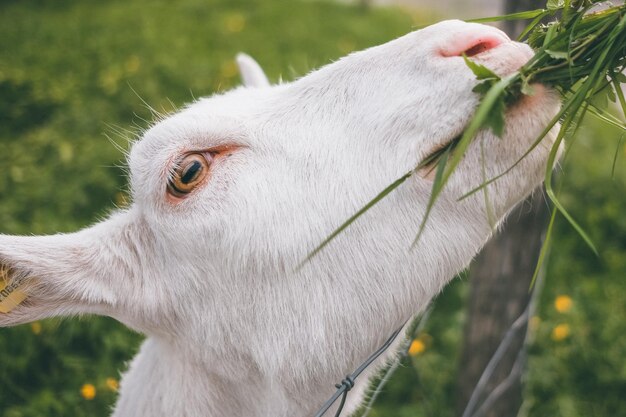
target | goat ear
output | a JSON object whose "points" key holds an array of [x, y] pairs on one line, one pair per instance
{"points": [[65, 274], [251, 72]]}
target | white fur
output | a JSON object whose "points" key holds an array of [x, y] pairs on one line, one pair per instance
{"points": [[233, 329]]}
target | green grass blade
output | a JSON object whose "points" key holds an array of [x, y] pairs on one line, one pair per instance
{"points": [[617, 149], [491, 218], [530, 14], [441, 166], [606, 117], [545, 248], [550, 191], [620, 95], [533, 24], [536, 143], [358, 214]]}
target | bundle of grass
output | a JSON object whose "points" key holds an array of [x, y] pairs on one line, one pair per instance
{"points": [[581, 54]]}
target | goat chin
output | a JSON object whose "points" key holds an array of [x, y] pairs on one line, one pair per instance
{"points": [[232, 193]]}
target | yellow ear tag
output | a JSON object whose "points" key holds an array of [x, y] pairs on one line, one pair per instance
{"points": [[10, 295]]}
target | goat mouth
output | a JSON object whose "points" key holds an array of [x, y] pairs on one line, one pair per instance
{"points": [[439, 154], [442, 152]]}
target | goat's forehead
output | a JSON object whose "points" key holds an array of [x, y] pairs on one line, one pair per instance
{"points": [[209, 122]]}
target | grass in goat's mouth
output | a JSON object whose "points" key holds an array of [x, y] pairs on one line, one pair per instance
{"points": [[581, 54], [430, 162]]}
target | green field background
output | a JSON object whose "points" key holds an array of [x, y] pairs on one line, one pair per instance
{"points": [[76, 79]]}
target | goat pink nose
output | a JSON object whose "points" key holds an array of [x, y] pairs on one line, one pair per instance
{"points": [[473, 42]]}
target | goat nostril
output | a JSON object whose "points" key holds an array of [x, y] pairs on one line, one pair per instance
{"points": [[473, 44], [479, 48]]}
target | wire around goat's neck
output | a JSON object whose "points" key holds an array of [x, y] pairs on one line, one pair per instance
{"points": [[348, 382]]}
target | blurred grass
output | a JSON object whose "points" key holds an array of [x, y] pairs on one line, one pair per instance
{"points": [[67, 74]]}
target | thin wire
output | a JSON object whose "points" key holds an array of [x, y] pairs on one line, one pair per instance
{"points": [[503, 386], [500, 351], [495, 360], [348, 382], [417, 327], [343, 401]]}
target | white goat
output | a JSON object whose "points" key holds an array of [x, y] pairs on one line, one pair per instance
{"points": [[233, 192]]}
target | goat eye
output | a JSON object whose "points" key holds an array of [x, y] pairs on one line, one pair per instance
{"points": [[189, 172]]}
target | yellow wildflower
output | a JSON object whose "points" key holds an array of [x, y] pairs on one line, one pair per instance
{"points": [[560, 332], [563, 303], [112, 384], [36, 327], [417, 347], [88, 391]]}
